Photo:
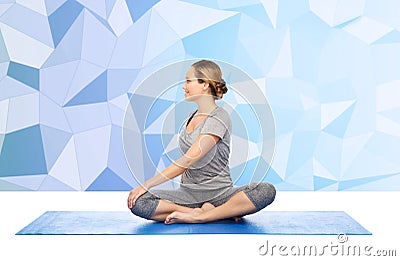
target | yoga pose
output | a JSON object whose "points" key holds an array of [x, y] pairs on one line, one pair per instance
{"points": [[206, 191]]}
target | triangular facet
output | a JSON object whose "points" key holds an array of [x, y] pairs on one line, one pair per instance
{"points": [[62, 19], [95, 92], [108, 181]]}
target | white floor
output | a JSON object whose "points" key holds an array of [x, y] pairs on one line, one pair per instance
{"points": [[376, 211]]}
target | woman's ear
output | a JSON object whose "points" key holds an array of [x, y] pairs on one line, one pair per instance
{"points": [[205, 87]]}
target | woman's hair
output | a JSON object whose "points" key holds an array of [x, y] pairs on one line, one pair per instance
{"points": [[209, 72]]}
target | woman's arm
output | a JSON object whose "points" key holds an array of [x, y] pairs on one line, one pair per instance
{"points": [[200, 147]]}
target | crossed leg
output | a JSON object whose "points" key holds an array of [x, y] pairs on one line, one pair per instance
{"points": [[150, 206], [238, 205]]}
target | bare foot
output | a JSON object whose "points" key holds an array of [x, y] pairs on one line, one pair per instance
{"points": [[181, 217], [189, 217], [192, 216]]}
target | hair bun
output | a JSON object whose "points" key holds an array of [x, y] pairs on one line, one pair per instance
{"points": [[220, 88]]}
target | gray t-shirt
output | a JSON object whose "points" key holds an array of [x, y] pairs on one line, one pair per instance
{"points": [[212, 170]]}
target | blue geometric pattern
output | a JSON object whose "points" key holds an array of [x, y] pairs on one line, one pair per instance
{"points": [[70, 71]]}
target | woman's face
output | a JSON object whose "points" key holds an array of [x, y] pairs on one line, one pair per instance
{"points": [[193, 89]]}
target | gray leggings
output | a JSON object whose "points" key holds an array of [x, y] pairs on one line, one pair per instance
{"points": [[260, 194]]}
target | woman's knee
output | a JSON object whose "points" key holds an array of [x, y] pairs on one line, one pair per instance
{"points": [[261, 194], [145, 205], [270, 191]]}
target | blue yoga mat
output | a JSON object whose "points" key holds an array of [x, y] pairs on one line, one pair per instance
{"points": [[125, 223]]}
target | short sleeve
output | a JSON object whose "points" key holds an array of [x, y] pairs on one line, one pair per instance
{"points": [[217, 125]]}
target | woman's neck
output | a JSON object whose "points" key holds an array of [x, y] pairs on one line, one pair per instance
{"points": [[206, 106]]}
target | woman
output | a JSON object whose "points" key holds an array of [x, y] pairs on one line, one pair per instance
{"points": [[206, 192]]}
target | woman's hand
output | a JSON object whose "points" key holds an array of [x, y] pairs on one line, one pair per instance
{"points": [[134, 195]]}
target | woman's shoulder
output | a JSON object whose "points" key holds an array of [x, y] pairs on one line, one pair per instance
{"points": [[221, 111], [222, 114]]}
